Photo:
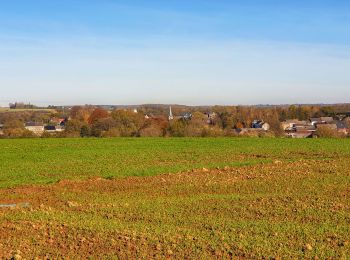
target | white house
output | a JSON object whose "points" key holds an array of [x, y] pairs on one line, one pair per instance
{"points": [[36, 128]]}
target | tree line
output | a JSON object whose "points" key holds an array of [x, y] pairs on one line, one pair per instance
{"points": [[152, 121]]}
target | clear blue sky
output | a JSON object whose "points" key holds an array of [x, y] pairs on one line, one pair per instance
{"points": [[175, 51]]}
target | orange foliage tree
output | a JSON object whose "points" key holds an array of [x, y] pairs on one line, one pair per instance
{"points": [[97, 114]]}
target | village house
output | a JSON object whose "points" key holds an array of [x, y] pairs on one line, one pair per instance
{"points": [[35, 127], [258, 127], [343, 116], [307, 129], [301, 131], [50, 128], [152, 116], [53, 128], [301, 128], [290, 124], [60, 128], [186, 116], [58, 121], [259, 124], [342, 127], [211, 117], [327, 120], [316, 121], [298, 129], [321, 120]]}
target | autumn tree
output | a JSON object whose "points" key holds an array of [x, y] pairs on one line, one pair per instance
{"points": [[85, 131], [103, 125], [13, 124], [15, 128], [177, 128], [154, 127], [195, 126], [74, 125], [74, 112], [97, 114], [327, 111], [275, 125], [81, 113], [151, 131], [239, 125], [128, 122]]}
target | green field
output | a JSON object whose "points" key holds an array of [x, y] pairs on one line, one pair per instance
{"points": [[33, 161], [175, 198]]}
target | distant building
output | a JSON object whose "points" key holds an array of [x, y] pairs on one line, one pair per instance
{"points": [[342, 127], [53, 128], [300, 129], [170, 117], [50, 128], [327, 120], [186, 116], [315, 121], [259, 124], [288, 125], [308, 128], [266, 126], [211, 118], [35, 127], [321, 120], [21, 105], [60, 128], [58, 121]]}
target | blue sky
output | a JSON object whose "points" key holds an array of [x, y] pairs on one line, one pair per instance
{"points": [[194, 52]]}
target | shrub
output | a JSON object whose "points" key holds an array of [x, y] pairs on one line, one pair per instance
{"points": [[113, 132], [193, 131], [177, 128], [324, 131], [68, 134], [74, 126], [49, 135], [151, 131], [18, 133], [212, 132], [85, 131]]}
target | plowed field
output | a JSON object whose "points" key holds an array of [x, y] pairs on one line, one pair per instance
{"points": [[230, 198]]}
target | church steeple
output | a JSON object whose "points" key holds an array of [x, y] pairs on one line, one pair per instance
{"points": [[171, 117]]}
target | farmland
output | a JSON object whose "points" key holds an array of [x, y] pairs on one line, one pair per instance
{"points": [[176, 198], [9, 110]]}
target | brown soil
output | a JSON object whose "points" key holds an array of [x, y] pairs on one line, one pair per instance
{"points": [[29, 238]]}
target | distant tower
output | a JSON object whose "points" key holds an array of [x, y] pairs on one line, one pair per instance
{"points": [[171, 117]]}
